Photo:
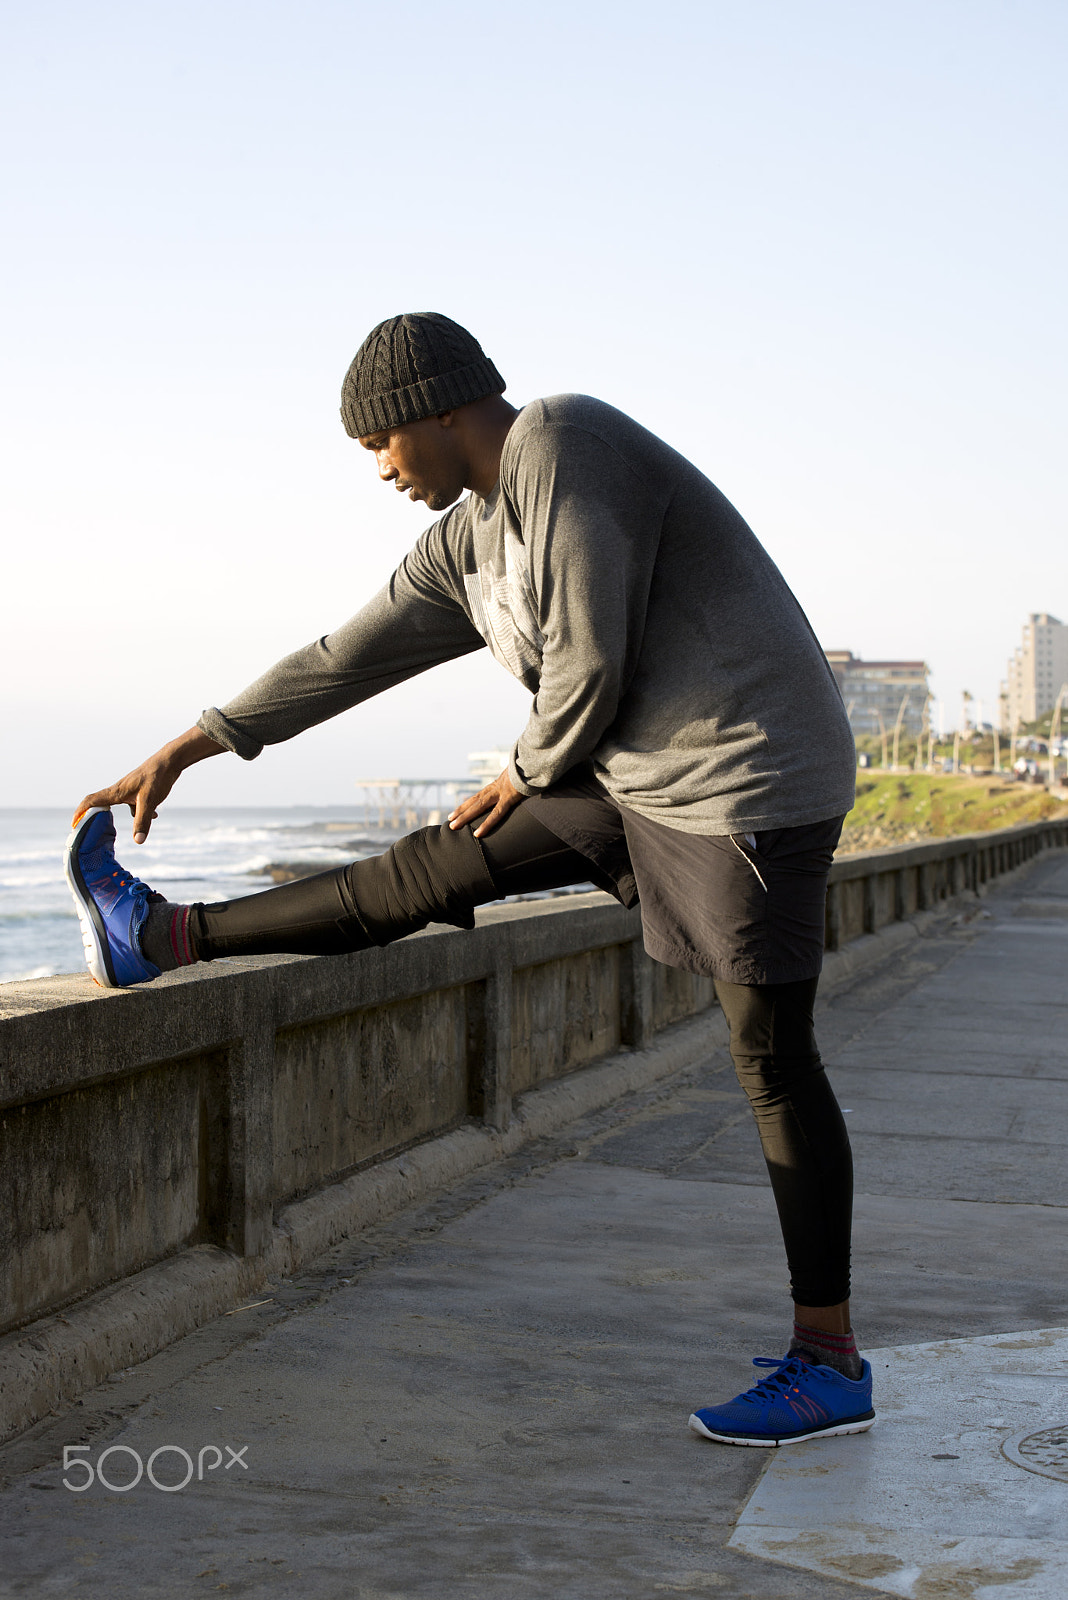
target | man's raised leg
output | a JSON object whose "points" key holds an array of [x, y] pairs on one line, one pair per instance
{"points": [[434, 875]]}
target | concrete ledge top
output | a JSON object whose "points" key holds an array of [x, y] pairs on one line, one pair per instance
{"points": [[104, 1033], [866, 862], [76, 988]]}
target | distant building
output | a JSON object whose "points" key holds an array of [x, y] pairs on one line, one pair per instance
{"points": [[881, 689], [1036, 671]]}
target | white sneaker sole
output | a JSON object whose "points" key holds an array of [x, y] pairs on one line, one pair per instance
{"points": [[94, 939], [855, 1425]]}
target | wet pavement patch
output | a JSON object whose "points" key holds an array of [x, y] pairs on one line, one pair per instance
{"points": [[932, 1501]]}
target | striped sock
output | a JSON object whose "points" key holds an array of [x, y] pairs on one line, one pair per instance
{"points": [[165, 939], [837, 1350]]}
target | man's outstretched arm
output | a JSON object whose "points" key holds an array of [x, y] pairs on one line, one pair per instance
{"points": [[147, 786], [412, 624], [416, 622]]}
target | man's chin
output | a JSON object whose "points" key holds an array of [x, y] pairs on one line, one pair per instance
{"points": [[441, 499]]}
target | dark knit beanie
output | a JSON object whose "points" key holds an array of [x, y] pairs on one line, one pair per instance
{"points": [[412, 367]]}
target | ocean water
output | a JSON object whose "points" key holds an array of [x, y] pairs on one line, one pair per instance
{"points": [[191, 854]]}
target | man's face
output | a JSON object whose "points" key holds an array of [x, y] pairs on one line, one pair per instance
{"points": [[421, 459]]}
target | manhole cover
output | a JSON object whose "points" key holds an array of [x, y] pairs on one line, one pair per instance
{"points": [[1045, 1452]]}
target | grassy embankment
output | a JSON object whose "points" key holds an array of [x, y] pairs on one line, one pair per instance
{"points": [[898, 807]]}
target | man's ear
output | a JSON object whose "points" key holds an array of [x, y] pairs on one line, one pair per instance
{"points": [[445, 418]]}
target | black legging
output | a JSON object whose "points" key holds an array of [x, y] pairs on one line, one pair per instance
{"points": [[438, 875], [802, 1130], [435, 875]]}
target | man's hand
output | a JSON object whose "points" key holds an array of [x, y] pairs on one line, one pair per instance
{"points": [[147, 786], [498, 798]]}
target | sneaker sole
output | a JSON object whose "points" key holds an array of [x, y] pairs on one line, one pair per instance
{"points": [[94, 934], [848, 1425]]}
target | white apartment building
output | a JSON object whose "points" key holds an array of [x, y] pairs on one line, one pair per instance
{"points": [[1036, 671]]}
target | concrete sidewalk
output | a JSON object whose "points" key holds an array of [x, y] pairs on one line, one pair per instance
{"points": [[489, 1396]]}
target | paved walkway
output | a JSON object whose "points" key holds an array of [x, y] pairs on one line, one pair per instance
{"points": [[488, 1397]]}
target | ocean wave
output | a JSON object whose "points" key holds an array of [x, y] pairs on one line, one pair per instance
{"points": [[197, 872], [48, 914], [190, 855], [232, 835], [35, 972], [36, 882]]}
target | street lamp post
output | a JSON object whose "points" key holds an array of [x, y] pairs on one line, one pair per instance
{"points": [[925, 722], [1054, 730], [897, 725], [882, 734]]}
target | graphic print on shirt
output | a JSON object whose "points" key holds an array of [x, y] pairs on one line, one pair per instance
{"points": [[503, 611]]}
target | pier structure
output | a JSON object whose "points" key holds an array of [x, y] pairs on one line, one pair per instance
{"points": [[403, 804]]}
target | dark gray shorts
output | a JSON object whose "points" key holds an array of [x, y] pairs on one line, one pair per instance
{"points": [[745, 908]]}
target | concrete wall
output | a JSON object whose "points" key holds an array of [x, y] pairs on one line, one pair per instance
{"points": [[186, 1124], [868, 892], [135, 1124]]}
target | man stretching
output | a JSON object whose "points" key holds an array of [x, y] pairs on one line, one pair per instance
{"points": [[687, 748]]}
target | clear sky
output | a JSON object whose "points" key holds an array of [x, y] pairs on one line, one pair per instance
{"points": [[819, 247]]}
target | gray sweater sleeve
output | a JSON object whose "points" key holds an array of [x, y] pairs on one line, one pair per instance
{"points": [[412, 624], [590, 525]]}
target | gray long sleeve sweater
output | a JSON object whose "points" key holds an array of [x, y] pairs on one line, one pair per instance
{"points": [[656, 635]]}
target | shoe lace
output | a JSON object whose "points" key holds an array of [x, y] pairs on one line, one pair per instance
{"points": [[126, 880], [787, 1369]]}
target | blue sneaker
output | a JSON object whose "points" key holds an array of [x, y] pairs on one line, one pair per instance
{"points": [[798, 1400], [112, 904]]}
